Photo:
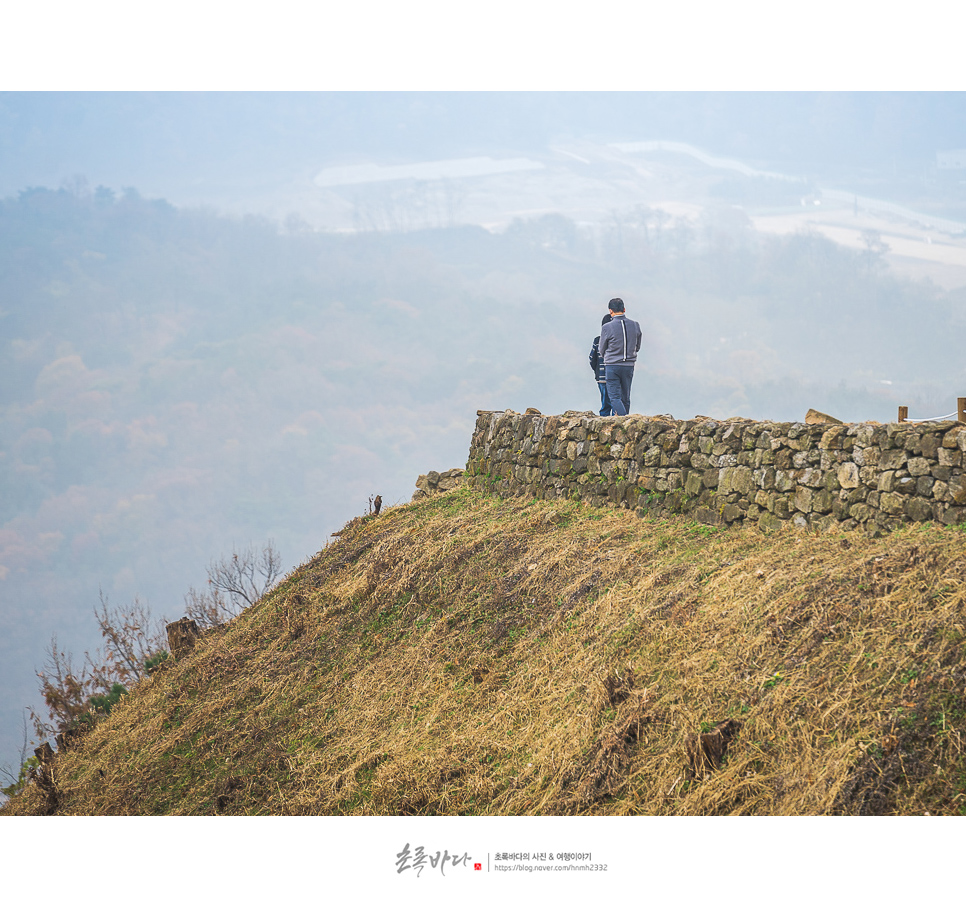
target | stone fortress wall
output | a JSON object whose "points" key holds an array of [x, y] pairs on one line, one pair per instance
{"points": [[728, 472]]}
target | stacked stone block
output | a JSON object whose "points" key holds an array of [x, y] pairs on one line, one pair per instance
{"points": [[726, 472], [435, 482]]}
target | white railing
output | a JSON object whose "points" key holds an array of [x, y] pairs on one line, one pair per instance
{"points": [[959, 415]]}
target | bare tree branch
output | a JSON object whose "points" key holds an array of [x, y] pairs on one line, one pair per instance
{"points": [[130, 636], [207, 608], [246, 577], [16, 778], [65, 691]]}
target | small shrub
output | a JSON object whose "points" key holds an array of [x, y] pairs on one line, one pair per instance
{"points": [[155, 661]]}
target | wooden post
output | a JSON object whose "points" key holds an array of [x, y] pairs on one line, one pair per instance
{"points": [[961, 408], [903, 414]]}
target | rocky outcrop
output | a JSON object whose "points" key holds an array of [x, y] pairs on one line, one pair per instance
{"points": [[731, 471], [434, 482]]}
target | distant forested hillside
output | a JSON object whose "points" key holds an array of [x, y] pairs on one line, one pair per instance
{"points": [[175, 382]]}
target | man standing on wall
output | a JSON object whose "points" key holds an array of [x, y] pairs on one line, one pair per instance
{"points": [[620, 341]]}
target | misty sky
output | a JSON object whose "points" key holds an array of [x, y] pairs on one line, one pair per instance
{"points": [[199, 147]]}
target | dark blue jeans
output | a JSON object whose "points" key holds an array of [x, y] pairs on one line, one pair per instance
{"points": [[605, 408], [619, 378]]}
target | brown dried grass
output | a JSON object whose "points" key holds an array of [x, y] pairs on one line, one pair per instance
{"points": [[470, 655]]}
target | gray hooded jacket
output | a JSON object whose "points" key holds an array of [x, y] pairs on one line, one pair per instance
{"points": [[620, 341]]}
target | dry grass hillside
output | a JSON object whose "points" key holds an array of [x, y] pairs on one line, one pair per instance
{"points": [[467, 655]]}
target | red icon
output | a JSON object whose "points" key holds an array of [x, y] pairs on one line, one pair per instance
{"points": [[477, 867]]}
